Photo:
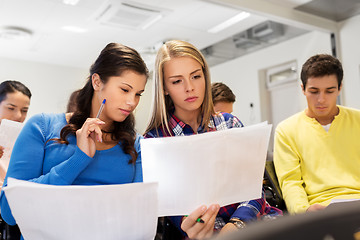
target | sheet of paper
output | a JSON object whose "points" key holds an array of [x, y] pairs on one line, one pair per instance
{"points": [[221, 167], [343, 200], [9, 131], [111, 212]]}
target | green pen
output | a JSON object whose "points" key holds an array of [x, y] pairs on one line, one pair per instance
{"points": [[197, 220]]}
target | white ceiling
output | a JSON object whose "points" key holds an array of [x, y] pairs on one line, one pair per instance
{"points": [[290, 3], [185, 19]]}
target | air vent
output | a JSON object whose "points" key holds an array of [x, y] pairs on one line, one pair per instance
{"points": [[244, 41], [267, 30], [14, 33], [208, 51], [129, 15], [252, 39], [260, 34]]}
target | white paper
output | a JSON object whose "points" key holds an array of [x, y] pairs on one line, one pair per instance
{"points": [[43, 212], [9, 131], [221, 167], [343, 200]]}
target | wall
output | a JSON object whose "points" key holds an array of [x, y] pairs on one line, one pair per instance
{"points": [[142, 112], [350, 56], [50, 85], [242, 74]]}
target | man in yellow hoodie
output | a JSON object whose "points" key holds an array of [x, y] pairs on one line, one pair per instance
{"points": [[317, 151]]}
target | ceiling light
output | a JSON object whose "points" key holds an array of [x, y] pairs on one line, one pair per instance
{"points": [[74, 29], [237, 18], [71, 2]]}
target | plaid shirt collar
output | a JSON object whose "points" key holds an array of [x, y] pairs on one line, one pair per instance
{"points": [[179, 128]]}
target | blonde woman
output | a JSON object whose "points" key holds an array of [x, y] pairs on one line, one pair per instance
{"points": [[183, 106]]}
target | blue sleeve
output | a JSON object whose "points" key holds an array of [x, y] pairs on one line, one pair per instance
{"points": [[149, 135], [254, 209], [237, 123], [27, 160], [138, 164], [248, 211], [232, 121]]}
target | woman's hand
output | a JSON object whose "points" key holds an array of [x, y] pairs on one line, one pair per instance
{"points": [[88, 134], [1, 151], [198, 230]]}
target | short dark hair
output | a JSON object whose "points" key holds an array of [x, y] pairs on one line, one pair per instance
{"points": [[322, 65], [11, 86], [71, 106], [222, 93]]}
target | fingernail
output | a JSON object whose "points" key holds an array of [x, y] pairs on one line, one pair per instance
{"points": [[203, 208], [214, 207]]}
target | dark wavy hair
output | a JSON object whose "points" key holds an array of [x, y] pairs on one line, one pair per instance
{"points": [[322, 65], [11, 86], [113, 60]]}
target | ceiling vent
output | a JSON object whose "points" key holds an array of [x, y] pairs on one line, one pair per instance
{"points": [[244, 41], [14, 33], [129, 15], [267, 30], [260, 34], [255, 38]]}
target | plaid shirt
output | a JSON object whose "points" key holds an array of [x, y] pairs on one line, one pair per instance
{"points": [[246, 211]]}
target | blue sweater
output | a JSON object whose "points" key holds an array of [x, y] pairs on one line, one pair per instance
{"points": [[36, 160]]}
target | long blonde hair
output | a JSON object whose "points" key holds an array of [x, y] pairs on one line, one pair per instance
{"points": [[162, 103]]}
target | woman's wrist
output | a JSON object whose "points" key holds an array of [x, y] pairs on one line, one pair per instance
{"points": [[237, 222]]}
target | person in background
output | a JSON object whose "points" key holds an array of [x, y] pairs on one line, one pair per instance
{"points": [[82, 148], [183, 106], [71, 106], [317, 151], [14, 105], [223, 98]]}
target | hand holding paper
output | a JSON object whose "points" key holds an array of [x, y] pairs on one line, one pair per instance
{"points": [[221, 167], [207, 217]]}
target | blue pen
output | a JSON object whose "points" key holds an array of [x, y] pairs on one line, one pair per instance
{"points": [[101, 108]]}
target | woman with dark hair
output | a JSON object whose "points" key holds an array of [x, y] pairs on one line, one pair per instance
{"points": [[14, 101], [87, 147], [14, 105]]}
